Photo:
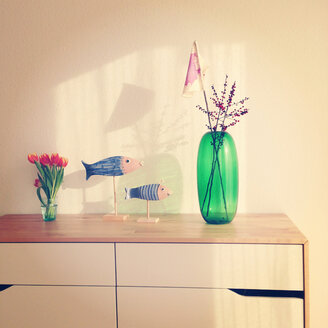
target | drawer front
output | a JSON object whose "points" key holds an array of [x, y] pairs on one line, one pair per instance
{"points": [[210, 308], [57, 306], [57, 264], [252, 266]]}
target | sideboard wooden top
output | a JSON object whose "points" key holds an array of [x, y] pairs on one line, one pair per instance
{"points": [[177, 228]]}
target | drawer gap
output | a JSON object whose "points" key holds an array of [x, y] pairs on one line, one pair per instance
{"points": [[269, 293], [3, 287]]}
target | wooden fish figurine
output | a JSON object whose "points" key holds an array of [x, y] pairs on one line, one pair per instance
{"points": [[148, 192], [112, 166]]}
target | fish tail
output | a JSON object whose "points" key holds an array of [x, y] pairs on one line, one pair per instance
{"points": [[127, 193], [88, 170]]}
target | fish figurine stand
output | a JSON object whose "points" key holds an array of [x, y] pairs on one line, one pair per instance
{"points": [[115, 217], [148, 219], [113, 166], [151, 192]]}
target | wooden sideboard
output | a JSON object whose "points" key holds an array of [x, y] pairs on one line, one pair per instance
{"points": [[82, 271]]}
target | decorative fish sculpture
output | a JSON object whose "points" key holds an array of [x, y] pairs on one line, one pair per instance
{"points": [[112, 166], [148, 192]]}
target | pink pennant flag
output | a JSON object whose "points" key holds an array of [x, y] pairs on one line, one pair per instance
{"points": [[194, 78]]}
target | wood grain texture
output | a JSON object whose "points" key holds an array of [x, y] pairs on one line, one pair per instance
{"points": [[178, 228]]}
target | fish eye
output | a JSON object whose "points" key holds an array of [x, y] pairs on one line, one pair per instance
{"points": [[128, 161], [162, 189]]}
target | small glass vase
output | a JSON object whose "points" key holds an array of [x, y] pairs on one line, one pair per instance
{"points": [[217, 177], [49, 212]]}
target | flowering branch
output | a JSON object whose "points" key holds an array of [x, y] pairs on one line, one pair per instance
{"points": [[226, 112]]}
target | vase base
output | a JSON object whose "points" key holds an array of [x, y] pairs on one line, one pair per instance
{"points": [[49, 212], [49, 219], [219, 220]]}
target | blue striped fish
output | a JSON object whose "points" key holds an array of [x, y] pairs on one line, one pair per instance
{"points": [[112, 166], [154, 191]]}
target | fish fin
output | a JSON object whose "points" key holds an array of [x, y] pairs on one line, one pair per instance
{"points": [[87, 170], [127, 193]]}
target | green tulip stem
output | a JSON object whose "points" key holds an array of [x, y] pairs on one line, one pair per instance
{"points": [[38, 192], [53, 185]]}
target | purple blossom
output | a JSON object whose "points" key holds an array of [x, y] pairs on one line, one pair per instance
{"points": [[226, 112]]}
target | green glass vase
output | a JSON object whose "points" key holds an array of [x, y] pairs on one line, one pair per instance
{"points": [[217, 177]]}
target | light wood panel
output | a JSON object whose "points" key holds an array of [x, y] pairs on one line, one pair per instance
{"points": [[57, 307], [208, 308], [251, 266], [306, 285], [57, 264], [180, 228]]}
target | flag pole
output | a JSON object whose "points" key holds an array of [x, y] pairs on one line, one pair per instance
{"points": [[147, 209], [202, 86], [115, 201], [216, 150]]}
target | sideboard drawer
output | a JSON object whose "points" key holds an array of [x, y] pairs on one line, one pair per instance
{"points": [[57, 307], [57, 263], [252, 266], [208, 308]]}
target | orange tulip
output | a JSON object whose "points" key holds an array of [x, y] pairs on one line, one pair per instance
{"points": [[62, 162], [45, 159], [32, 158], [54, 159]]}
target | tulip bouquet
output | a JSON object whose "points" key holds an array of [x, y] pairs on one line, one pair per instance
{"points": [[50, 176]]}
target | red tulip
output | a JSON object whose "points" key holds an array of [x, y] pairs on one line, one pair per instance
{"points": [[54, 159], [62, 162], [45, 159], [37, 183], [32, 158]]}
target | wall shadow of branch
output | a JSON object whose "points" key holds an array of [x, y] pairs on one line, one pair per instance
{"points": [[157, 139], [123, 115]]}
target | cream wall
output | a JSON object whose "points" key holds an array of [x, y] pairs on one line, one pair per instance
{"points": [[92, 79]]}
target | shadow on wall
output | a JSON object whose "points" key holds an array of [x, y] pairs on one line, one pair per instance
{"points": [[153, 135], [123, 115], [76, 181], [59, 48], [152, 138]]}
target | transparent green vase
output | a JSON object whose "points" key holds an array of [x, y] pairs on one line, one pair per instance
{"points": [[49, 212], [217, 177]]}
